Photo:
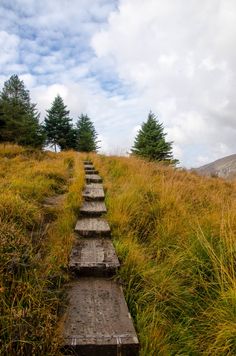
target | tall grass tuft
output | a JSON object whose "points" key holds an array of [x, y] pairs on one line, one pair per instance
{"points": [[175, 233], [35, 242]]}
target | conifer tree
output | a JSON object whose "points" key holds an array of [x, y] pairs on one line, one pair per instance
{"points": [[150, 141], [86, 135], [19, 119], [58, 127]]}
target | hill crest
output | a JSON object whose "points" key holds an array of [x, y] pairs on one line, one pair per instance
{"points": [[224, 167]]}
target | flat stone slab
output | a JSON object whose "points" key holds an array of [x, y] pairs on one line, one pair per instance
{"points": [[93, 192], [88, 162], [94, 257], [95, 185], [88, 167], [93, 208], [91, 171], [93, 227], [93, 178], [97, 321]]}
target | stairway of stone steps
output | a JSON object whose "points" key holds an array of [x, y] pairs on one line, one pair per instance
{"points": [[97, 321]]}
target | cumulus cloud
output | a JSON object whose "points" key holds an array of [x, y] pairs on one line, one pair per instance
{"points": [[181, 60], [9, 48]]}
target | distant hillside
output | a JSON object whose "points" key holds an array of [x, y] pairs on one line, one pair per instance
{"points": [[223, 167]]}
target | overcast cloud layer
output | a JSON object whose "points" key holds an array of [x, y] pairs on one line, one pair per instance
{"points": [[116, 60]]}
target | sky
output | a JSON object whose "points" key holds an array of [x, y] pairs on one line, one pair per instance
{"points": [[116, 60]]}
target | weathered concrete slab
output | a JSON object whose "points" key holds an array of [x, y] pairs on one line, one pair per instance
{"points": [[93, 227], [93, 193], [93, 208], [97, 322], [93, 178], [94, 257]]}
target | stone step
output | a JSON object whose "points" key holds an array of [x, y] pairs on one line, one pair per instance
{"points": [[93, 208], [93, 178], [87, 162], [93, 192], [91, 171], [95, 185], [93, 227], [89, 167], [94, 257], [97, 321]]}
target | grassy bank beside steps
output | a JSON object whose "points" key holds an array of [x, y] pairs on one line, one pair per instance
{"points": [[175, 233]]}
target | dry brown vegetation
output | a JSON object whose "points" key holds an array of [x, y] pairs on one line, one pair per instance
{"points": [[175, 233], [35, 241]]}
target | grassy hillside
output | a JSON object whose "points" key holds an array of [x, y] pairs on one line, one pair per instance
{"points": [[175, 233], [35, 240]]}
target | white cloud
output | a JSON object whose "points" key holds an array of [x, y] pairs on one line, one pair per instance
{"points": [[181, 55], [9, 48]]}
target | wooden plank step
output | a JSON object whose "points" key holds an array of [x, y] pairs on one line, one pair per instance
{"points": [[95, 185], [97, 321], [93, 227], [93, 178], [94, 171], [93, 208], [93, 192], [89, 167], [94, 257]]}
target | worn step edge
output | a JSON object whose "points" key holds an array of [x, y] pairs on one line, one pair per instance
{"points": [[93, 257], [93, 193], [92, 227], [93, 178], [97, 321], [93, 197], [91, 172], [93, 208]]}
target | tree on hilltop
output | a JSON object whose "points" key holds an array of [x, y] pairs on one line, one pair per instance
{"points": [[19, 118], [150, 141], [58, 126], [86, 135]]}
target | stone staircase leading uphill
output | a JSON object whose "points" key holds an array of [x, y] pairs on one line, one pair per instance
{"points": [[97, 321]]}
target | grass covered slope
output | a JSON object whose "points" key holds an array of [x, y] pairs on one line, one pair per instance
{"points": [[35, 241], [175, 233]]}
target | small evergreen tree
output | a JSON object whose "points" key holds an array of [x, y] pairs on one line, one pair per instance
{"points": [[150, 141], [19, 119], [86, 135], [58, 127]]}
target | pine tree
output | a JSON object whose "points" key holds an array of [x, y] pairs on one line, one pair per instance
{"points": [[150, 141], [19, 119], [86, 135], [58, 127]]}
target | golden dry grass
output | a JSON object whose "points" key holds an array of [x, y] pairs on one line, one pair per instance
{"points": [[35, 242], [175, 233]]}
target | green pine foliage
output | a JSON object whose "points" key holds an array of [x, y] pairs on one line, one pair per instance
{"points": [[58, 127], [86, 135], [19, 118], [150, 141]]}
